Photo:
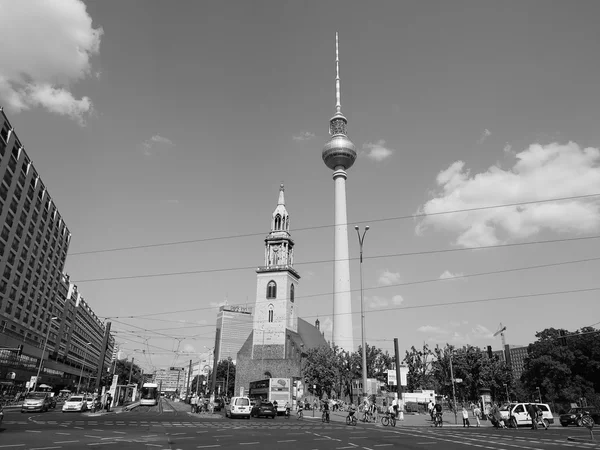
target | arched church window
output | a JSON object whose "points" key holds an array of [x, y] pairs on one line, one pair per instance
{"points": [[272, 290], [278, 222], [270, 313], [292, 289]]}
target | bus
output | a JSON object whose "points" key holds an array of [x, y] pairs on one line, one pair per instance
{"points": [[149, 395], [272, 389]]}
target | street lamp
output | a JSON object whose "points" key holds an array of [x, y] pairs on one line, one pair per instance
{"points": [[213, 376], [82, 364], [361, 240], [507, 395], [453, 388], [44, 350]]}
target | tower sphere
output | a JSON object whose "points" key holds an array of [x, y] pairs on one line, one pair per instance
{"points": [[339, 150]]}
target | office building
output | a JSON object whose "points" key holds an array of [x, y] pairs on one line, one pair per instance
{"points": [[235, 324]]}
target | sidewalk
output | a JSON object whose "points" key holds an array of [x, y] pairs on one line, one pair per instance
{"points": [[184, 407], [410, 420]]}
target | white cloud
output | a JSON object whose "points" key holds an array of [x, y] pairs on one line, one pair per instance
{"points": [[482, 332], [431, 329], [155, 140], [188, 348], [507, 148], [539, 173], [447, 275], [388, 278], [378, 302], [377, 151], [303, 136], [484, 135], [47, 45]]}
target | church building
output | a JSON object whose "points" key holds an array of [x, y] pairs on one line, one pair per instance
{"points": [[279, 338]]}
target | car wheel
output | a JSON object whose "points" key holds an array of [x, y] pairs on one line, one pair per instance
{"points": [[579, 422]]}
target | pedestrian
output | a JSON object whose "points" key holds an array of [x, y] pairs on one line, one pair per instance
{"points": [[108, 402], [465, 415], [430, 409], [395, 406], [476, 414], [194, 403], [531, 410], [539, 417]]}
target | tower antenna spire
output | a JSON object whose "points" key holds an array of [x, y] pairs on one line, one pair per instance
{"points": [[338, 94]]}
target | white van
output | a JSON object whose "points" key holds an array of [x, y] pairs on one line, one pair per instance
{"points": [[516, 415], [238, 407]]}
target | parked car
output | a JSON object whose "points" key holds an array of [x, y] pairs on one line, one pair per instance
{"points": [[263, 408], [36, 401], [238, 407], [76, 403], [575, 416], [516, 414]]}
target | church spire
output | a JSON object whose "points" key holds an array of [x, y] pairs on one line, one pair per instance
{"points": [[281, 200]]}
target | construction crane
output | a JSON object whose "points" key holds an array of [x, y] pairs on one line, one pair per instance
{"points": [[501, 330]]}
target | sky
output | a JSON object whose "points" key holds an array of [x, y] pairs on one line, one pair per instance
{"points": [[155, 122]]}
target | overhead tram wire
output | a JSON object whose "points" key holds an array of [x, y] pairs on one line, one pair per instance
{"points": [[407, 283], [391, 255], [317, 227]]}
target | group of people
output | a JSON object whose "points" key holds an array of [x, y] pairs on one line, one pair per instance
{"points": [[435, 411], [199, 404]]}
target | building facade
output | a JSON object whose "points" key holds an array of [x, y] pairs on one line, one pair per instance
{"points": [[279, 337], [37, 302], [517, 355], [172, 380], [235, 324]]}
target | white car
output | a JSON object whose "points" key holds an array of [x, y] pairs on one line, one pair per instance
{"points": [[75, 403], [238, 407], [515, 414]]}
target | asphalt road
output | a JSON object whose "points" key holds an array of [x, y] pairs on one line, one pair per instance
{"points": [[173, 428]]}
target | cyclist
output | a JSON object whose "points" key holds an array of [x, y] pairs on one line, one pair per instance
{"points": [[287, 410], [351, 412], [300, 414], [438, 414]]}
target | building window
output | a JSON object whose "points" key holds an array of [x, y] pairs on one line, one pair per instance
{"points": [[272, 289], [270, 313], [277, 221], [292, 290]]}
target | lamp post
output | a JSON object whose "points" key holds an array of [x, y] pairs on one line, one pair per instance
{"points": [[453, 389], [507, 395], [82, 364], [43, 351], [214, 368], [227, 383], [361, 240]]}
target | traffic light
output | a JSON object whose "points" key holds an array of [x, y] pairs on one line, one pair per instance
{"points": [[489, 349], [19, 350]]}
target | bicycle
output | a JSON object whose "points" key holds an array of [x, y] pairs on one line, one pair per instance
{"points": [[438, 422], [388, 419], [325, 417], [587, 421], [351, 419]]}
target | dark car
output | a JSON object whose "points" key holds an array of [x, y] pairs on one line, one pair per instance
{"points": [[574, 416], [266, 409]]}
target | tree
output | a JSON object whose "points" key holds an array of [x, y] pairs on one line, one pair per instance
{"points": [[122, 369], [419, 368], [565, 369], [321, 368], [223, 367]]}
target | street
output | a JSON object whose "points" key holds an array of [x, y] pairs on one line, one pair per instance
{"points": [[174, 428]]}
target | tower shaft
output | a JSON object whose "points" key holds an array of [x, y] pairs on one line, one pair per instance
{"points": [[342, 299]]}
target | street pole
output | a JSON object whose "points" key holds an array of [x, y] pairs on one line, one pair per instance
{"points": [[453, 390], [227, 383], [361, 240], [43, 352], [187, 390], [507, 396], [82, 365], [539, 394], [130, 370]]}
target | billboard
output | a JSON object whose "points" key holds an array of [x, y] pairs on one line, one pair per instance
{"points": [[392, 376]]}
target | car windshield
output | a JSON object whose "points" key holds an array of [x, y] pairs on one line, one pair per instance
{"points": [[266, 404], [76, 399], [36, 395]]}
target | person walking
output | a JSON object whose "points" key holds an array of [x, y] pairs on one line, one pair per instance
{"points": [[476, 414], [430, 409], [531, 410], [108, 402], [465, 415], [194, 403]]}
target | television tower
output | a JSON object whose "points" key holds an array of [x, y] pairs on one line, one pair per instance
{"points": [[339, 155]]}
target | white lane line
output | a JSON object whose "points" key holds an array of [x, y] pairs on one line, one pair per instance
{"points": [[63, 434], [43, 448], [102, 443], [32, 431], [207, 446], [382, 445], [288, 440], [12, 445], [249, 443], [90, 436], [64, 442]]}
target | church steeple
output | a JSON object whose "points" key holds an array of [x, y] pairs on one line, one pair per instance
{"points": [[279, 246]]}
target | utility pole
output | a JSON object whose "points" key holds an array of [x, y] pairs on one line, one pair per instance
{"points": [[187, 391], [130, 370], [453, 390], [102, 356]]}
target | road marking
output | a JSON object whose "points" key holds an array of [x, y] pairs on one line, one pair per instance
{"points": [[64, 442], [120, 432], [288, 440], [43, 448], [249, 443], [207, 446], [382, 445], [97, 437], [12, 445], [102, 443]]}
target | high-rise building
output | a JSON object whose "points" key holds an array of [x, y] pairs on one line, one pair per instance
{"points": [[339, 155], [38, 303], [235, 324], [172, 380], [517, 355], [34, 240]]}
